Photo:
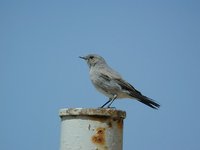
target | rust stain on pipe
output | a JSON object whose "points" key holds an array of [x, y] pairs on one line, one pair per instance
{"points": [[99, 137], [120, 123]]}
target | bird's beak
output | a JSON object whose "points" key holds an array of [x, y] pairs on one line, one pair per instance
{"points": [[83, 57]]}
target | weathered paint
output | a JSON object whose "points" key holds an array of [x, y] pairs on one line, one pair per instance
{"points": [[91, 129]]}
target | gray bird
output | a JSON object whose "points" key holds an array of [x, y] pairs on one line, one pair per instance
{"points": [[111, 84]]}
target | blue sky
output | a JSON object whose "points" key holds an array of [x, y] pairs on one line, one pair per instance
{"points": [[154, 45]]}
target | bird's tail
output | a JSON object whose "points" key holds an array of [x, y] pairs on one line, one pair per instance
{"points": [[147, 101]]}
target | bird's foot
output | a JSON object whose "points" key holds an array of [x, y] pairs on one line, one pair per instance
{"points": [[106, 107], [111, 107]]}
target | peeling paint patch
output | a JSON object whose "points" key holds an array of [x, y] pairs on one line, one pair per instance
{"points": [[109, 123], [89, 126]]}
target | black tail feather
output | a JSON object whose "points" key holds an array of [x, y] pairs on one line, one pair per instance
{"points": [[150, 103], [147, 101]]}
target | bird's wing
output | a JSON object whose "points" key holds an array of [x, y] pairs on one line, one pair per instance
{"points": [[110, 74], [127, 86]]}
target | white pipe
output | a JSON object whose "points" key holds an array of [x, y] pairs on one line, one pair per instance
{"points": [[91, 129]]}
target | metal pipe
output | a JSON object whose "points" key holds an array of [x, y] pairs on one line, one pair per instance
{"points": [[91, 129]]}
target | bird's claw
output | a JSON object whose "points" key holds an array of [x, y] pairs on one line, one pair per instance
{"points": [[111, 107], [106, 107]]}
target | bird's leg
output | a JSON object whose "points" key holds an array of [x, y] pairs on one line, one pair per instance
{"points": [[110, 99]]}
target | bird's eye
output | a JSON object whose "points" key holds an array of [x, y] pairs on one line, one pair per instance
{"points": [[91, 57]]}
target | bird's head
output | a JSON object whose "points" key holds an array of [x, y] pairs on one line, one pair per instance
{"points": [[93, 59]]}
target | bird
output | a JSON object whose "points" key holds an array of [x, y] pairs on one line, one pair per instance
{"points": [[110, 83]]}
